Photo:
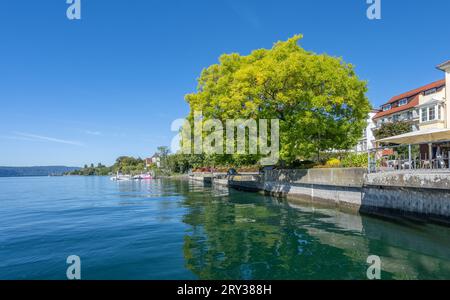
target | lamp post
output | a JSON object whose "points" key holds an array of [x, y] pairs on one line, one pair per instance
{"points": [[409, 157], [430, 153]]}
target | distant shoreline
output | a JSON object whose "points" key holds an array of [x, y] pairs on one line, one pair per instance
{"points": [[35, 171]]}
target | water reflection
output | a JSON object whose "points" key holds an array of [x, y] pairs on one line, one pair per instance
{"points": [[235, 235]]}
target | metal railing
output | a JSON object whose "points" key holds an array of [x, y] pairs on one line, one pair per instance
{"points": [[397, 162]]}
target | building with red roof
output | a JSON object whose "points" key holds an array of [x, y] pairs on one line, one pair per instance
{"points": [[428, 111], [423, 107]]}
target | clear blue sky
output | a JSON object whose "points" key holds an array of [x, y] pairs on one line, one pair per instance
{"points": [[76, 92]]}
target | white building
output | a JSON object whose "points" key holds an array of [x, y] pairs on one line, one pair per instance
{"points": [[154, 160], [368, 140], [431, 120]]}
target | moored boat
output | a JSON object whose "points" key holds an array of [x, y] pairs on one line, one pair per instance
{"points": [[120, 177], [143, 177]]}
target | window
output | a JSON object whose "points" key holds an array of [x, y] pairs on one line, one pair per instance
{"points": [[431, 113], [403, 102], [409, 115], [429, 92], [387, 107], [396, 118], [424, 114]]}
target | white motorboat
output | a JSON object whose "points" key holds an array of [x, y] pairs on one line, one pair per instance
{"points": [[120, 177], [143, 177]]}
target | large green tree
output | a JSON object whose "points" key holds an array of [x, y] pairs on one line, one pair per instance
{"points": [[129, 165], [319, 100]]}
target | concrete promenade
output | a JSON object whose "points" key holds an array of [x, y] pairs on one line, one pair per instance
{"points": [[421, 195]]}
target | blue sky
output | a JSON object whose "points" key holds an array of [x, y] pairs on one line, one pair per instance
{"points": [[76, 92]]}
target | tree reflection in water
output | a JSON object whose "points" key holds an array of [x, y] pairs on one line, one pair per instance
{"points": [[237, 235]]}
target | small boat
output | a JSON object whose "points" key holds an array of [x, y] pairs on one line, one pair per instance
{"points": [[143, 177], [120, 177]]}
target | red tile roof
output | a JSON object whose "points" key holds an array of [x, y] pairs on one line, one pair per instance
{"points": [[412, 103], [424, 88]]}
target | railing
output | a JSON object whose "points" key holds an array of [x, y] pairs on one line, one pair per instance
{"points": [[439, 161], [413, 164]]}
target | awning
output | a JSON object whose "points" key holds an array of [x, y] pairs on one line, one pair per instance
{"points": [[419, 137]]}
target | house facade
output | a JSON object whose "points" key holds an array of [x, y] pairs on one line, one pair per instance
{"points": [[432, 107], [427, 109], [424, 107], [154, 160], [445, 67], [148, 162]]}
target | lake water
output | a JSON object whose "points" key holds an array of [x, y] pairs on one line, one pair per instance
{"points": [[175, 229]]}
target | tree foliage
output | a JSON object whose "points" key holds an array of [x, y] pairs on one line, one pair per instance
{"points": [[319, 100], [129, 165], [396, 128], [123, 164], [392, 129], [355, 160]]}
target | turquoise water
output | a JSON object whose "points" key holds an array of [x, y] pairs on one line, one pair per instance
{"points": [[174, 229]]}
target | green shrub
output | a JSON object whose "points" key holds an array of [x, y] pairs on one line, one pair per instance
{"points": [[333, 163], [353, 160]]}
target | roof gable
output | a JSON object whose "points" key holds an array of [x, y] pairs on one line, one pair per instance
{"points": [[444, 66], [412, 96], [411, 104], [414, 92]]}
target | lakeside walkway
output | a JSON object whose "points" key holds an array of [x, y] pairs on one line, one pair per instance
{"points": [[423, 194]]}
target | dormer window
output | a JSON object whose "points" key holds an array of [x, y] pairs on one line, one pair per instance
{"points": [[403, 102], [387, 107], [429, 92]]}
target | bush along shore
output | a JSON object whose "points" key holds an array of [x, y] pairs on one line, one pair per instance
{"points": [[177, 164], [123, 164]]}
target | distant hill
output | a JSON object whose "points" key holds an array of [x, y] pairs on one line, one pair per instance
{"points": [[35, 171]]}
